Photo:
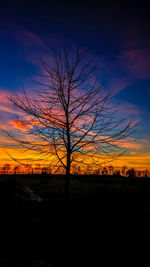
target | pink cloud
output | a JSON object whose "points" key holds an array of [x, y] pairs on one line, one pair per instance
{"points": [[140, 145], [4, 96], [137, 62], [7, 110], [10, 109], [128, 108], [4, 127], [131, 145]]}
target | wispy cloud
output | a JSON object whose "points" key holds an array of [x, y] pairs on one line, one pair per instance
{"points": [[7, 110], [136, 62], [129, 108], [32, 45], [18, 124], [4, 94], [10, 109]]}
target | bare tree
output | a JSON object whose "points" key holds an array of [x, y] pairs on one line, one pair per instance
{"points": [[6, 168], [16, 169], [70, 117]]}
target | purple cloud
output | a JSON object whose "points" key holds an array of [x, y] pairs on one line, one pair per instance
{"points": [[129, 108], [32, 45], [137, 62]]}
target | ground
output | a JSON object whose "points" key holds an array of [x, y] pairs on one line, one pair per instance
{"points": [[114, 208]]}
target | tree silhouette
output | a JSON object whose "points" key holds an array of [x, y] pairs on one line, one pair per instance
{"points": [[16, 169], [70, 117], [110, 169], [123, 170], [131, 173], [6, 168]]}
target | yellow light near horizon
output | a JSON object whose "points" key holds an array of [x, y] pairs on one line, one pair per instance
{"points": [[131, 161]]}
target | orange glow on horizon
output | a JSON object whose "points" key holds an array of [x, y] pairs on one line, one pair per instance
{"points": [[131, 161]]}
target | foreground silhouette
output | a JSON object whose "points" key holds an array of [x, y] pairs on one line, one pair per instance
{"points": [[114, 208], [100, 204]]}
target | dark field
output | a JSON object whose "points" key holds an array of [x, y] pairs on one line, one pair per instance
{"points": [[109, 208], [96, 203]]}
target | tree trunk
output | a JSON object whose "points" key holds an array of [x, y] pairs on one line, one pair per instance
{"points": [[66, 191], [67, 179]]}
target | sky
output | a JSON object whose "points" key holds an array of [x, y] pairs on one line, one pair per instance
{"points": [[117, 36]]}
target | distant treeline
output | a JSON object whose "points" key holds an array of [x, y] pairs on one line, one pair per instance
{"points": [[76, 170]]}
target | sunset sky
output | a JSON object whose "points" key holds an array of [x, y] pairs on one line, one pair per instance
{"points": [[118, 38]]}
